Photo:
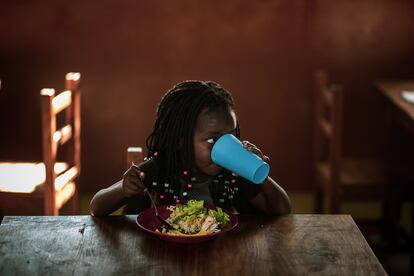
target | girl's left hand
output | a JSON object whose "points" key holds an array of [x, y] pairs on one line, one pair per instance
{"points": [[253, 148]]}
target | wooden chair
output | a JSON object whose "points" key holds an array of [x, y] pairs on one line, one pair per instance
{"points": [[341, 179], [47, 186], [134, 156]]}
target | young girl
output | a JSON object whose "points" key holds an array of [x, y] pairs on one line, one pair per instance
{"points": [[178, 167]]}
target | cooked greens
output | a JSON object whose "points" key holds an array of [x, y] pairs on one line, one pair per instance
{"points": [[194, 218]]}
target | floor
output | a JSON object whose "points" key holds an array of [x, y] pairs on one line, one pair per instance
{"points": [[395, 263]]}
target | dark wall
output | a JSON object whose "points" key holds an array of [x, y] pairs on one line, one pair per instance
{"points": [[130, 52], [361, 42]]}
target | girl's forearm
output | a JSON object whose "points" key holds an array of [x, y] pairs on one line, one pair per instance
{"points": [[273, 199], [107, 200]]}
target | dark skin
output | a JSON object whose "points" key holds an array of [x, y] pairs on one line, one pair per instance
{"points": [[210, 125]]}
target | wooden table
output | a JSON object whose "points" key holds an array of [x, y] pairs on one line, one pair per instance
{"points": [[399, 109], [260, 245], [400, 112]]}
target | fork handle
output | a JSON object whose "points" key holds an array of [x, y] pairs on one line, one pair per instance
{"points": [[152, 200]]}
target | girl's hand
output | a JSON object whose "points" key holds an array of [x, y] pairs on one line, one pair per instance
{"points": [[133, 182], [253, 148]]}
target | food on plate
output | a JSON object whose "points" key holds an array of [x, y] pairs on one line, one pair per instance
{"points": [[193, 219]]}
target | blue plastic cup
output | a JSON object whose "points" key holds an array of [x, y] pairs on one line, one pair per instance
{"points": [[229, 153]]}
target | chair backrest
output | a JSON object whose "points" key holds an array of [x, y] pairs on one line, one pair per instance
{"points": [[328, 104], [53, 137], [134, 156]]}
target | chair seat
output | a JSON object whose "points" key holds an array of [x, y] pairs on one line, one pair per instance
{"points": [[22, 182], [364, 178], [357, 172], [359, 179], [23, 177]]}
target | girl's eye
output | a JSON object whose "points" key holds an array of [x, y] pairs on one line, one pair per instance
{"points": [[211, 140]]}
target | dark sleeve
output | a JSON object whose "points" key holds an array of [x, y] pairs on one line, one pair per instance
{"points": [[137, 204], [247, 191]]}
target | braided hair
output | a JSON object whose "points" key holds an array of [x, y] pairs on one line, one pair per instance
{"points": [[171, 140]]}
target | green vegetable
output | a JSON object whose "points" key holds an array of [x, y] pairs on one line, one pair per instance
{"points": [[220, 216]]}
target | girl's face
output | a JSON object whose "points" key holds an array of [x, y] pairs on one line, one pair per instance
{"points": [[210, 125]]}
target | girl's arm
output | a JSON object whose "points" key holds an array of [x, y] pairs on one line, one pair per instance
{"points": [[112, 198], [272, 199], [108, 200]]}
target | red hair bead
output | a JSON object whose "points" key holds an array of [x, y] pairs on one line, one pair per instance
{"points": [[162, 196], [189, 185], [233, 181], [185, 172]]}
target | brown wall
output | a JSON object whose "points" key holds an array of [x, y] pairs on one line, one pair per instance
{"points": [[131, 52]]}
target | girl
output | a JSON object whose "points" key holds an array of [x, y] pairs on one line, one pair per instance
{"points": [[190, 118]]}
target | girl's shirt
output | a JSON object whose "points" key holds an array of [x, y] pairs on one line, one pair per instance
{"points": [[198, 191]]}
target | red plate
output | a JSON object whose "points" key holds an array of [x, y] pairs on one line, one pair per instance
{"points": [[148, 222]]}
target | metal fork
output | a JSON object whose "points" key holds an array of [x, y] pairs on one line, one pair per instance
{"points": [[163, 221]]}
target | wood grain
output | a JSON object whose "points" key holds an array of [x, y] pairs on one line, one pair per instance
{"points": [[260, 245]]}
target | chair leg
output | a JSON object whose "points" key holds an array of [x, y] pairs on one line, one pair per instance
{"points": [[318, 201], [334, 202], [411, 241], [334, 206], [74, 203], [391, 213]]}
